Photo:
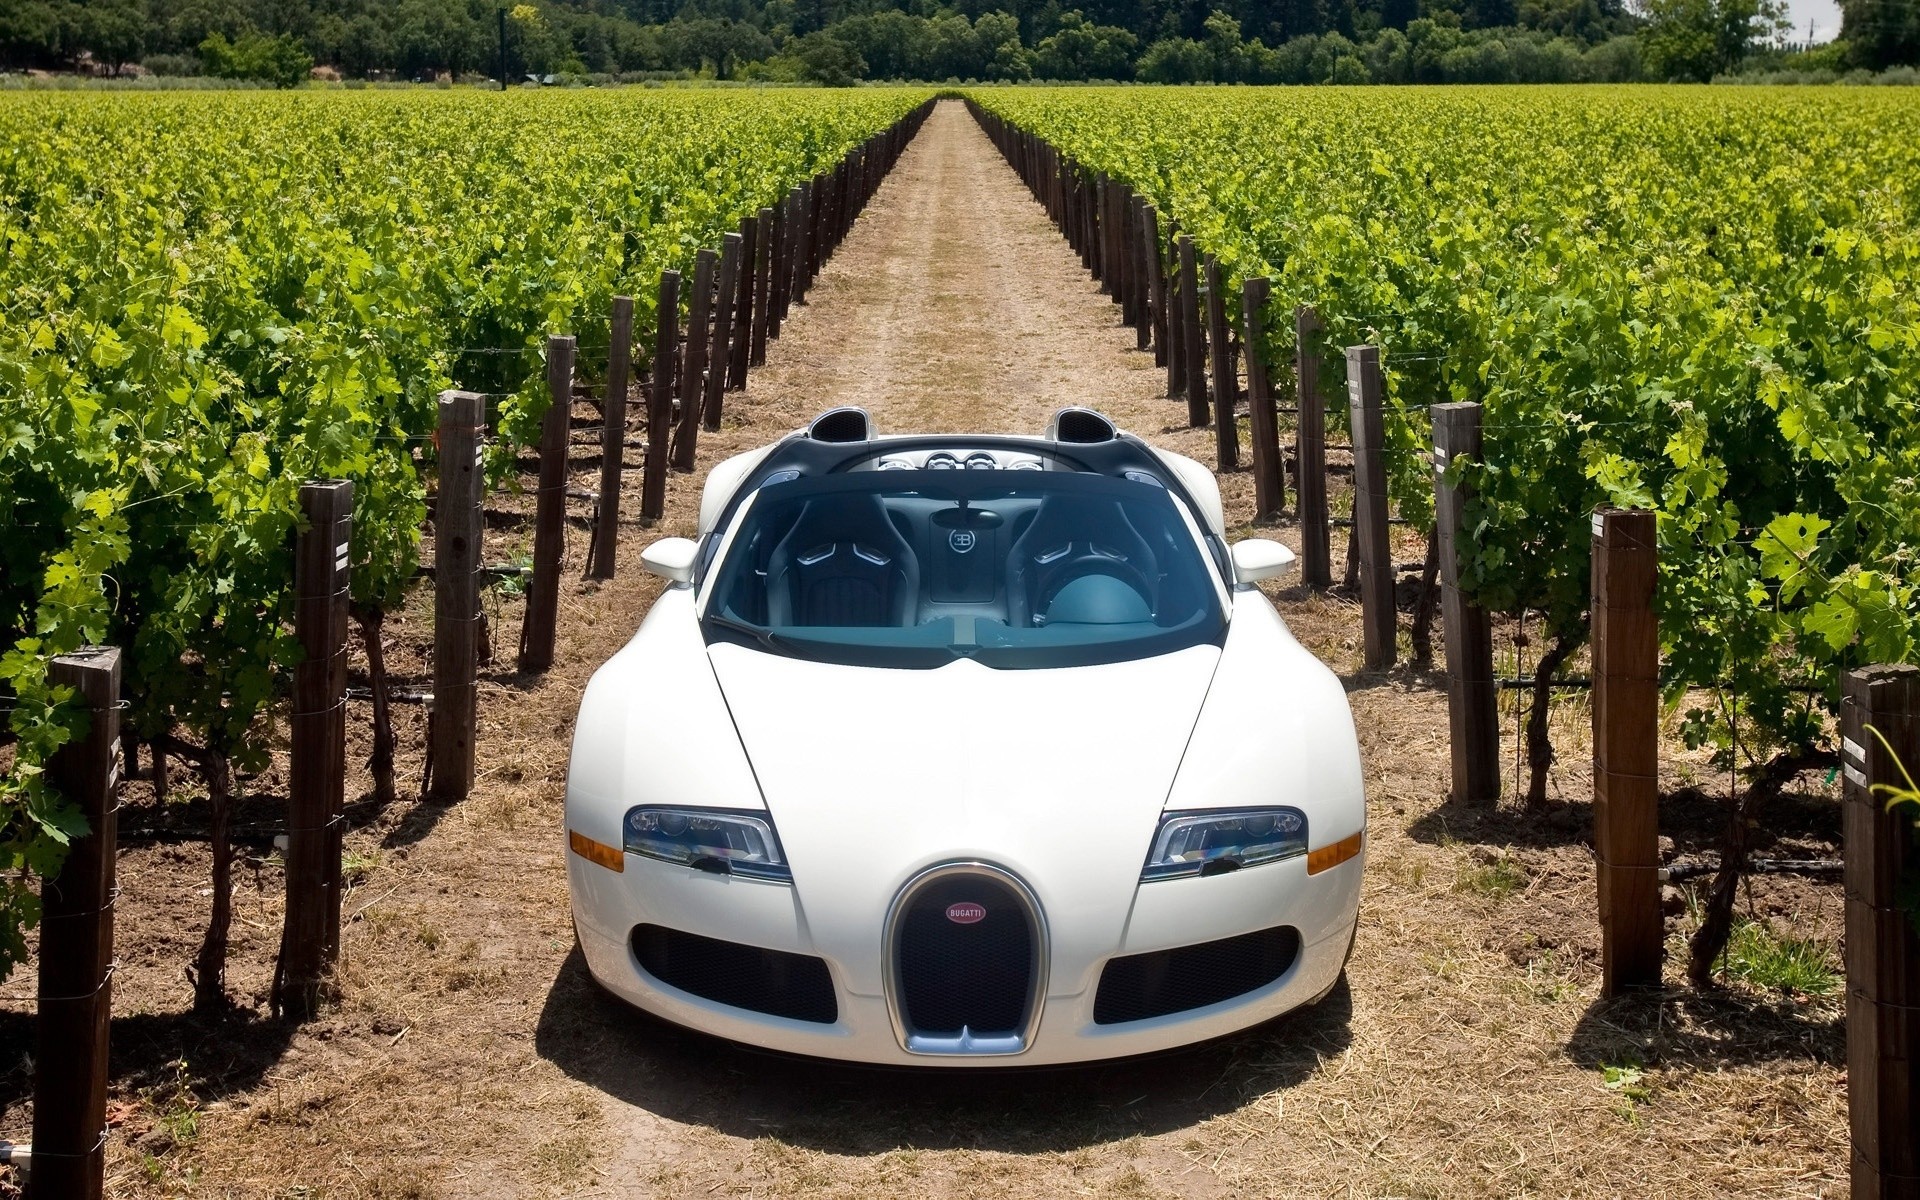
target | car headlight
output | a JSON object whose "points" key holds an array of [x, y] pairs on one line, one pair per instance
{"points": [[1208, 843], [725, 843]]}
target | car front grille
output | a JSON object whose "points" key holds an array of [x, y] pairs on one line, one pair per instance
{"points": [[1187, 977], [967, 959], [775, 982]]}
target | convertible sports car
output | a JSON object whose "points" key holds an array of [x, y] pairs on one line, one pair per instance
{"points": [[965, 750]]}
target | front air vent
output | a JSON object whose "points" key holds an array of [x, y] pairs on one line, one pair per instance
{"points": [[1164, 982], [775, 982], [966, 962], [1080, 425], [842, 425]]}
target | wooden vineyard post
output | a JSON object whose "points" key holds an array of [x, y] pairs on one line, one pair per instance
{"points": [[721, 348], [693, 363], [786, 226], [666, 340], [762, 283], [318, 774], [1226, 381], [549, 512], [456, 600], [1626, 749], [1195, 368], [75, 994], [1156, 283], [601, 561], [1369, 529], [801, 235], [1269, 481], [1472, 716], [1883, 952], [740, 344], [1176, 316], [1130, 247], [1310, 451], [817, 204]]}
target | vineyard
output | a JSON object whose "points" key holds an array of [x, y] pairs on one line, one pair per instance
{"points": [[1675, 300], [213, 301], [1700, 303]]}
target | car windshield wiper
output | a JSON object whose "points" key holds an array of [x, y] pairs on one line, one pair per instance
{"points": [[767, 638]]}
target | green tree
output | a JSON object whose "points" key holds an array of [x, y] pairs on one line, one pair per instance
{"points": [[282, 61], [826, 60], [1079, 49], [1881, 33], [1698, 39], [1176, 60]]}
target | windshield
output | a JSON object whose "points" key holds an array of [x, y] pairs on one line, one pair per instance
{"points": [[914, 568]]}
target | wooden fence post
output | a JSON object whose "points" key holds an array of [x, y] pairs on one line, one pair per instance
{"points": [[762, 285], [1472, 715], [1195, 338], [1176, 316], [1626, 749], [317, 780], [456, 600], [786, 225], [1269, 479], [75, 994], [601, 561], [1141, 273], [720, 351], [740, 343], [1310, 451], [1883, 952], [801, 235], [1156, 283], [1226, 380], [693, 363], [549, 512], [666, 345], [818, 203], [1369, 529]]}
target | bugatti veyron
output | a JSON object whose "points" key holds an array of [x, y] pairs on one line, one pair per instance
{"points": [[964, 750]]}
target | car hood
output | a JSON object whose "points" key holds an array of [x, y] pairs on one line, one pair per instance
{"points": [[872, 775]]}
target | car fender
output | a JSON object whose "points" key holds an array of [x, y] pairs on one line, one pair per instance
{"points": [[654, 728]]}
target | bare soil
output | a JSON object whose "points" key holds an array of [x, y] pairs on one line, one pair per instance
{"points": [[469, 1055]]}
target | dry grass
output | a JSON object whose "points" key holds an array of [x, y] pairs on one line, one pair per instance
{"points": [[468, 1055]]}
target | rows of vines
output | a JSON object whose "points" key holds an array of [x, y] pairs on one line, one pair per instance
{"points": [[209, 299], [1702, 302]]}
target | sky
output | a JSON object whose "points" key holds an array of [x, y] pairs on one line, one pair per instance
{"points": [[1824, 14]]}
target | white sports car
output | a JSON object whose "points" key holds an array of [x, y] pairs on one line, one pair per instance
{"points": [[965, 750]]}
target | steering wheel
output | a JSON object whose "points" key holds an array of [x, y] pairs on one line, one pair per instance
{"points": [[1083, 559]]}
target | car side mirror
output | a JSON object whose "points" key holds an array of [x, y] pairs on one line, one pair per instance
{"points": [[672, 558], [1256, 559]]}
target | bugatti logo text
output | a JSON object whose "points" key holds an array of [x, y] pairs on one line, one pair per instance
{"points": [[965, 913], [962, 540]]}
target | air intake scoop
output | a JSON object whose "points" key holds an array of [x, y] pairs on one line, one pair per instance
{"points": [[1082, 426], [842, 425]]}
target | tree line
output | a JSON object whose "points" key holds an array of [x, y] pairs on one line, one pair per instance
{"points": [[844, 41]]}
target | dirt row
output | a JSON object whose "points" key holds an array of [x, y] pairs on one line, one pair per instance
{"points": [[469, 1055]]}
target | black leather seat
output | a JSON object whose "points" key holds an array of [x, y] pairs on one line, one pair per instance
{"points": [[843, 564], [1069, 537]]}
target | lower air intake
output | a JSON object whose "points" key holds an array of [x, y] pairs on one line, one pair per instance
{"points": [[795, 986], [1140, 986]]}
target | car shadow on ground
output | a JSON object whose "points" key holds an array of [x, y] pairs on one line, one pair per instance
{"points": [[840, 1109]]}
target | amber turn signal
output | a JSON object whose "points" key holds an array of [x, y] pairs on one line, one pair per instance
{"points": [[1328, 857], [611, 857]]}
